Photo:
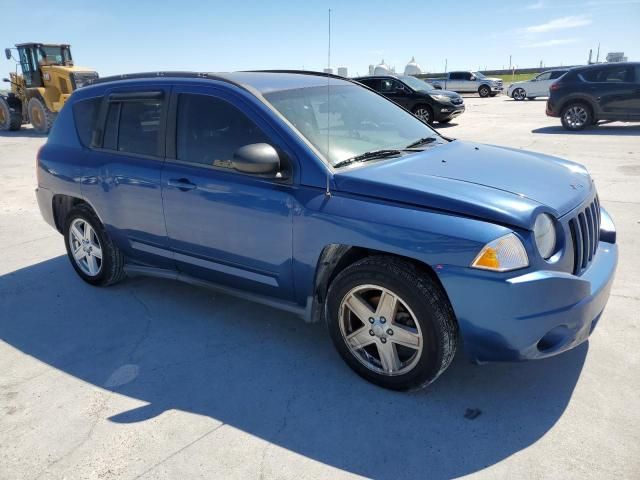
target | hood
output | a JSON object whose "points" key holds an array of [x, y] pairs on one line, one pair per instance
{"points": [[499, 184], [446, 93]]}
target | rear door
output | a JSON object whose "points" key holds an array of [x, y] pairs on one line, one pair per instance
{"points": [[456, 82], [224, 226], [614, 89], [540, 87], [122, 182]]}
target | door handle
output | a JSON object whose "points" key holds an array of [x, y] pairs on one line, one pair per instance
{"points": [[182, 184]]}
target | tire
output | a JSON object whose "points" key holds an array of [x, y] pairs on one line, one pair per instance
{"points": [[10, 119], [423, 315], [40, 116], [576, 116], [484, 91], [424, 113], [110, 267], [519, 94]]}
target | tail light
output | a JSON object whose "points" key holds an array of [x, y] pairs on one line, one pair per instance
{"points": [[555, 86]]}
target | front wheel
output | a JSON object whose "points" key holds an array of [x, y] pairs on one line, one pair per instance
{"points": [[576, 116], [40, 116], [484, 91], [519, 94], [391, 323], [424, 113]]}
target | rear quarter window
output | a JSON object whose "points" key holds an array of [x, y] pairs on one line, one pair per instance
{"points": [[85, 116]]}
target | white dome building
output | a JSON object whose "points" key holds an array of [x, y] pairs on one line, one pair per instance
{"points": [[412, 68], [382, 69]]}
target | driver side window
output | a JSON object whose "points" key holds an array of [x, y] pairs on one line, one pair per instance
{"points": [[210, 130], [544, 76]]}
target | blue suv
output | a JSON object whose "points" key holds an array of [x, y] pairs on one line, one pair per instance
{"points": [[316, 195]]}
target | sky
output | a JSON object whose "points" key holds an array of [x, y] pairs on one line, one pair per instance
{"points": [[116, 36]]}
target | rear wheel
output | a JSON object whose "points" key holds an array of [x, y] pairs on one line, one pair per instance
{"points": [[10, 119], [390, 323], [93, 255], [40, 116], [576, 116], [424, 113], [519, 94], [484, 91]]}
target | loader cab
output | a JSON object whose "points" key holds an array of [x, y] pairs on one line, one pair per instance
{"points": [[33, 56]]}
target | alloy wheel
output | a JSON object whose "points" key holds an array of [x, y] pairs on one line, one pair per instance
{"points": [[380, 330], [576, 116], [519, 94], [423, 114], [85, 247]]}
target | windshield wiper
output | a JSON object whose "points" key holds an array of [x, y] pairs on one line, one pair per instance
{"points": [[367, 156], [422, 141]]}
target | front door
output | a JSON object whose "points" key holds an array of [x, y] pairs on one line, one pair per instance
{"points": [[224, 226]]}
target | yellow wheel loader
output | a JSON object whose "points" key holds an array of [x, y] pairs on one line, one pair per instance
{"points": [[37, 94]]}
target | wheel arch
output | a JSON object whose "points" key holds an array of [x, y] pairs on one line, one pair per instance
{"points": [[336, 257], [62, 204], [579, 99]]}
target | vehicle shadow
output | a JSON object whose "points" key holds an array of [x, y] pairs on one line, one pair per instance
{"points": [[268, 374], [438, 125], [603, 129], [23, 132]]}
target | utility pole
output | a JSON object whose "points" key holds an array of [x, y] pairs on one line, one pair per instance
{"points": [[445, 65], [598, 54], [509, 62]]}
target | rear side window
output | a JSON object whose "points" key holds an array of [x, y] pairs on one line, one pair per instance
{"points": [[85, 115], [134, 127], [617, 74], [371, 83], [557, 74], [544, 76], [210, 130]]}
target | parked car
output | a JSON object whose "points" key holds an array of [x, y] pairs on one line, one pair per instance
{"points": [[417, 96], [468, 82], [586, 95], [536, 87], [332, 204]]}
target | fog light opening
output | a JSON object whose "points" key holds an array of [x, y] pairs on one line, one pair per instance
{"points": [[553, 339]]}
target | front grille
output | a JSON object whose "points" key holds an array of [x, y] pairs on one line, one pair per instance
{"points": [[585, 233]]}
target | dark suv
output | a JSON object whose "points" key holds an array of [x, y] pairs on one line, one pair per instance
{"points": [[419, 97], [586, 95]]}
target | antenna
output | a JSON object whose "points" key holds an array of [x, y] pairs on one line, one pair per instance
{"points": [[328, 190]]}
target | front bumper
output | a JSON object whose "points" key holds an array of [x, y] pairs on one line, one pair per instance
{"points": [[447, 111], [531, 316]]}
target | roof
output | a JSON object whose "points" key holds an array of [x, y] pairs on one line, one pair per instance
{"points": [[38, 44], [264, 81]]}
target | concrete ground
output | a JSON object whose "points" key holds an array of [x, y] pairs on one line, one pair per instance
{"points": [[156, 379]]}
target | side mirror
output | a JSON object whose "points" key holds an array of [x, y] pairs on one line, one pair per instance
{"points": [[257, 158], [473, 77], [7, 53]]}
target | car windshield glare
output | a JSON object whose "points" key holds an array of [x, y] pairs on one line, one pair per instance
{"points": [[416, 83], [478, 75], [348, 122]]}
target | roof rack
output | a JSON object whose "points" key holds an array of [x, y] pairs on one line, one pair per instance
{"points": [[135, 76]]}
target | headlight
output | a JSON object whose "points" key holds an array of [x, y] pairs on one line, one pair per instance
{"points": [[544, 231], [502, 254], [441, 98]]}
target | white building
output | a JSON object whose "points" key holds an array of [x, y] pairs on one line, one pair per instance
{"points": [[343, 72], [412, 68]]}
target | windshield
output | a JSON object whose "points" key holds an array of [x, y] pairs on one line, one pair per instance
{"points": [[354, 121], [53, 55], [478, 75], [416, 83]]}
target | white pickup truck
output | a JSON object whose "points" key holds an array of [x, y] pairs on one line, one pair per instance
{"points": [[467, 82]]}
